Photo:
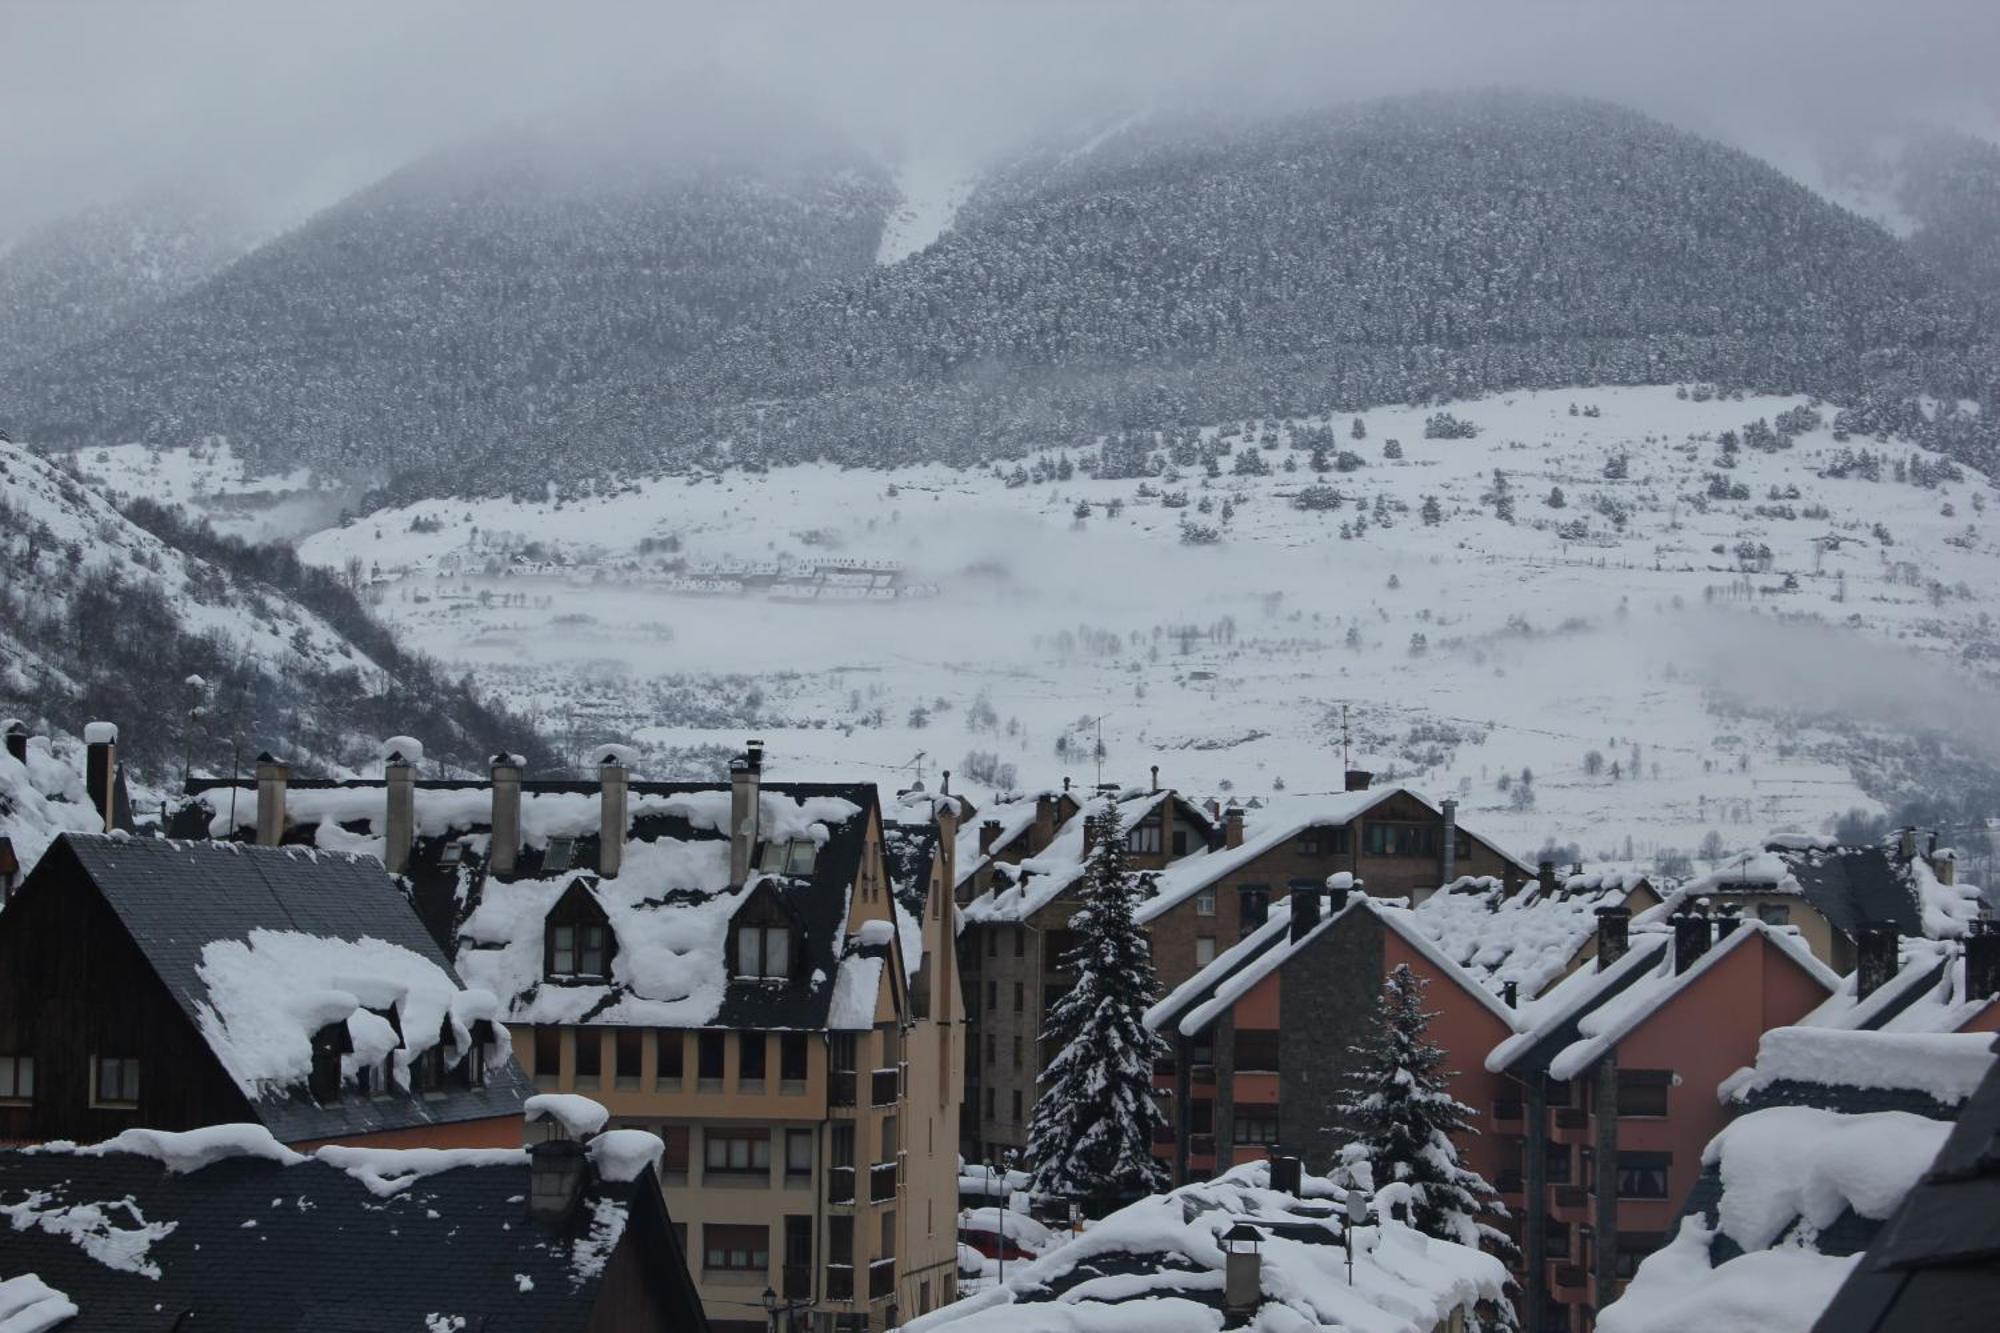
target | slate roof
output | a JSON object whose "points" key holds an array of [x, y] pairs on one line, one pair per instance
{"points": [[256, 1246], [175, 898], [1936, 1264]]}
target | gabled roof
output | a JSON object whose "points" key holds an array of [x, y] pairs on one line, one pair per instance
{"points": [[1019, 890], [1196, 1003], [1849, 886], [261, 947], [219, 1230], [1855, 1070], [1529, 936], [1927, 993]]}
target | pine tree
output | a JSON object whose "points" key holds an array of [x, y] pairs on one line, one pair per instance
{"points": [[1402, 1119], [1091, 1137]]}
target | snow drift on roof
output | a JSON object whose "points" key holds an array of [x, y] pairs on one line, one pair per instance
{"points": [[1947, 1067]]}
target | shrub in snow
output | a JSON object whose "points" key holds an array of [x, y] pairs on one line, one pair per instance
{"points": [[1445, 426], [1091, 1138], [1402, 1119]]}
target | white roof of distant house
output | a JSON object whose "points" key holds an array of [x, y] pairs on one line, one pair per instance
{"points": [[1018, 891]]}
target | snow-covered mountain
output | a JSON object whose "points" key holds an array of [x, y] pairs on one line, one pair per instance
{"points": [[196, 644], [1678, 613]]}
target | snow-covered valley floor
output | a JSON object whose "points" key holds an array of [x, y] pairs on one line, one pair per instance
{"points": [[1622, 623]]}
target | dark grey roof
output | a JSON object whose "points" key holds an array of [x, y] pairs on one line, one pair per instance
{"points": [[1936, 1264], [1551, 1042], [175, 898], [258, 1247], [1852, 886]]}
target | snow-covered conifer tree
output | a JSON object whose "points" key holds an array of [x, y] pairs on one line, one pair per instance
{"points": [[1402, 1118], [1091, 1137]]}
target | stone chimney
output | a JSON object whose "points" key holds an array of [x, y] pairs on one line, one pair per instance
{"points": [[1305, 912], [506, 836], [1448, 847], [1944, 864], [1045, 821], [399, 829], [947, 823], [1906, 844], [989, 833], [612, 788], [746, 776], [1614, 926], [1338, 886], [1232, 826], [1875, 949], [1982, 960], [1693, 932], [272, 775], [100, 770], [16, 733], [1545, 871], [1358, 779]]}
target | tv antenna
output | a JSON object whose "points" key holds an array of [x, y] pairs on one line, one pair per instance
{"points": [[917, 767], [1345, 740]]}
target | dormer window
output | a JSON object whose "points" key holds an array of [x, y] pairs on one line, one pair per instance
{"points": [[793, 857], [577, 950], [764, 952], [556, 859], [450, 855]]}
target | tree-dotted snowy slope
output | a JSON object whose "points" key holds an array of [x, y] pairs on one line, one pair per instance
{"points": [[103, 617]]}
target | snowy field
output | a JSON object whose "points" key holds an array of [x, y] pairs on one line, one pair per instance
{"points": [[1720, 661], [212, 481]]}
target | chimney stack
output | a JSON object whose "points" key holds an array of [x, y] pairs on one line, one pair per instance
{"points": [[506, 835], [1305, 912], [100, 770], [1156, 777], [946, 813], [1944, 864], [1286, 1173], [1358, 779], [612, 788], [399, 830], [1613, 934], [272, 776], [1448, 850], [1982, 960], [1545, 871], [1906, 844], [1338, 886], [1692, 936], [1727, 918], [1875, 957], [557, 1172], [1232, 826], [746, 776], [1045, 821], [17, 739], [1243, 1267], [944, 784], [989, 833], [1510, 994]]}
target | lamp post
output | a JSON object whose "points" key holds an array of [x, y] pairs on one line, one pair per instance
{"points": [[1006, 1164], [773, 1307]]}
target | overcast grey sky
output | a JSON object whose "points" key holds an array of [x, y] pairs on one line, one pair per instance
{"points": [[303, 101]]}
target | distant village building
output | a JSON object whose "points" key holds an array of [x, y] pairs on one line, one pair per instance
{"points": [[171, 985]]}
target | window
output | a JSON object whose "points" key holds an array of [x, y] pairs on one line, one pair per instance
{"points": [[668, 1054], [798, 1153], [1201, 1117], [577, 949], [17, 1078], [1204, 903], [1643, 1175], [1559, 1164], [1389, 838], [556, 859], [792, 1062], [1204, 950], [734, 1248], [1017, 1103], [1253, 905], [548, 1055], [992, 943], [989, 1050], [750, 1057], [450, 855], [736, 1150], [1325, 840], [1020, 997], [1774, 914], [427, 1072], [889, 1141], [764, 952], [117, 1082], [840, 1241], [473, 1067], [888, 1250], [1020, 941], [1643, 1092], [992, 995], [798, 1258], [1555, 1239], [589, 1055], [794, 857], [675, 1160], [990, 1096], [329, 1043], [1017, 1052], [708, 1056], [1257, 1051], [1180, 841], [626, 1046], [1144, 837], [1255, 1124]]}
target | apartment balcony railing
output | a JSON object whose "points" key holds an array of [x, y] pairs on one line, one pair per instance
{"points": [[1203, 1073], [798, 1282], [1571, 1125], [882, 1088], [881, 1279], [1571, 1281], [881, 1182], [840, 1184], [1510, 1184], [1201, 1145], [1163, 1136], [1570, 1203], [840, 1087], [1507, 1117], [840, 1282]]}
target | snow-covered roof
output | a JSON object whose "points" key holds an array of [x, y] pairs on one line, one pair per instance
{"points": [[226, 1221], [41, 799], [1530, 936], [1197, 1002], [1019, 889], [1158, 1265], [1946, 1067], [1849, 886], [1926, 993]]}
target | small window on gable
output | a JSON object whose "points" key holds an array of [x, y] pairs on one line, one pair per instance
{"points": [[794, 857], [578, 943], [556, 859], [764, 952]]}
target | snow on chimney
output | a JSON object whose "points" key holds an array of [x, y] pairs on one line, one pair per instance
{"points": [[505, 840], [1875, 957], [272, 775], [1692, 936], [1232, 826], [401, 755], [1906, 844], [613, 786], [746, 775], [989, 833], [1613, 934], [1305, 912], [100, 770], [1156, 777]]}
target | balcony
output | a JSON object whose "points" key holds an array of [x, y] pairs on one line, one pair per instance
{"points": [[1201, 1145], [881, 1279], [1569, 1204], [840, 1184], [1571, 1282], [1163, 1136], [882, 1088], [840, 1282], [840, 1087], [1164, 1067], [1203, 1074], [1507, 1117], [798, 1282], [881, 1182], [1571, 1124], [1511, 1186]]}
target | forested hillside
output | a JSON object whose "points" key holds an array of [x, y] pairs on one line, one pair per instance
{"points": [[1951, 187], [1410, 250], [474, 294], [109, 615]]}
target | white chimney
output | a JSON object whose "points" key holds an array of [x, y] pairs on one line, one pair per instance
{"points": [[399, 831], [745, 780], [272, 775], [505, 838]]}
